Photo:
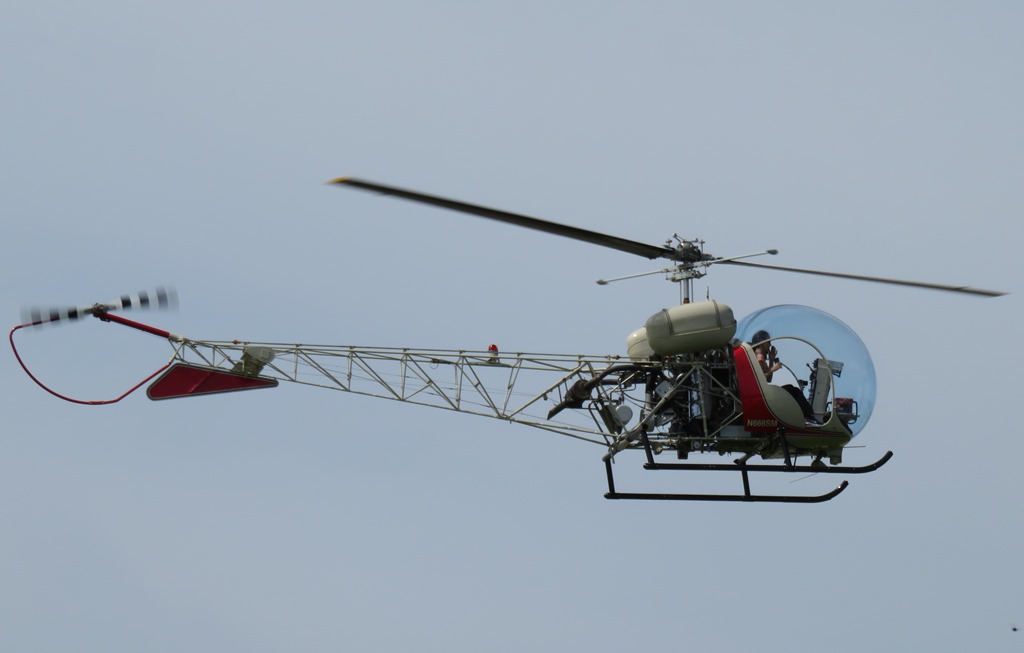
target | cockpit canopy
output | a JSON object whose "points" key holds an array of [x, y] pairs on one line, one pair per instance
{"points": [[814, 347]]}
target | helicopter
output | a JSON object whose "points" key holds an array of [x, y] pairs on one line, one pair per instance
{"points": [[694, 381]]}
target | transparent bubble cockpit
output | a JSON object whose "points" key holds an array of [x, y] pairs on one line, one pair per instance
{"points": [[820, 355]]}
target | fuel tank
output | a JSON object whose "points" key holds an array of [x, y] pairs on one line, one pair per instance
{"points": [[683, 329]]}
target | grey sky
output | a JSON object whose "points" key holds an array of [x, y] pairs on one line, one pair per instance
{"points": [[152, 143]]}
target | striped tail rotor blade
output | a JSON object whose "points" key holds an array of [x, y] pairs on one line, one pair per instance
{"points": [[166, 297], [33, 315], [38, 315], [161, 297], [128, 302]]}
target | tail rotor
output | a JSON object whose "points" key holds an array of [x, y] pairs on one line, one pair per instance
{"points": [[162, 297]]}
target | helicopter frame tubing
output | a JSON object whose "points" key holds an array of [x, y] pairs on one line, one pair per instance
{"points": [[482, 383], [683, 405]]}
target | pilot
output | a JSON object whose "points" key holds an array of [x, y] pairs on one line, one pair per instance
{"points": [[767, 357], [766, 354]]}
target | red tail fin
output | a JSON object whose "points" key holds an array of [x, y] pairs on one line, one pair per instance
{"points": [[187, 380]]}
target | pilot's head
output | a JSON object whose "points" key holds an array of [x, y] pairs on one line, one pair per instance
{"points": [[761, 336]]}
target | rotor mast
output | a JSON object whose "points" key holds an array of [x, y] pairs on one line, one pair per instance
{"points": [[692, 264]]}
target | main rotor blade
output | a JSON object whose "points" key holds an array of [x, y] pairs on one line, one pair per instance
{"points": [[858, 277], [593, 237]]}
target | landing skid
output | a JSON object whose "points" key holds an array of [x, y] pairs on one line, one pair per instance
{"points": [[741, 466], [746, 496]]}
